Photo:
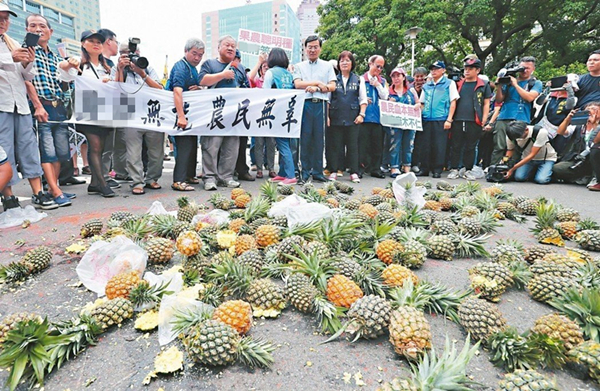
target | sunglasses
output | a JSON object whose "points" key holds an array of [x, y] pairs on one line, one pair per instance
{"points": [[379, 67]]}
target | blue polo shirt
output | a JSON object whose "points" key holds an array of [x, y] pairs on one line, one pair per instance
{"points": [[515, 107], [183, 75]]}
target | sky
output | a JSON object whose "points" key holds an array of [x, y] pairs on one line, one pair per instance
{"points": [[162, 26]]}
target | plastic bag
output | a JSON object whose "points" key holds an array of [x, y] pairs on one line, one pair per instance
{"points": [[414, 196], [281, 208], [16, 216], [104, 260], [304, 214], [175, 281], [157, 208], [168, 307], [215, 216], [477, 172]]}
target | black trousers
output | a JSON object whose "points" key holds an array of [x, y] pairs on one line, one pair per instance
{"points": [[432, 143], [240, 166], [486, 147], [186, 158], [370, 147], [343, 142], [465, 134]]}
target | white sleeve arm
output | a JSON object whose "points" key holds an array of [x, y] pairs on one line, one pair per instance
{"points": [[382, 91], [362, 92]]}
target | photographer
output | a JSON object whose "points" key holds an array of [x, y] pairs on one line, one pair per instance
{"points": [[538, 156], [517, 101], [141, 74], [576, 165]]}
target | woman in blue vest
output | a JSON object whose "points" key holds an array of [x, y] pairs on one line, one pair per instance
{"points": [[278, 77], [402, 140], [346, 111]]}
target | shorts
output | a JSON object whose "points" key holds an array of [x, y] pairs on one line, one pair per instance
{"points": [[18, 139], [54, 136], [3, 156]]}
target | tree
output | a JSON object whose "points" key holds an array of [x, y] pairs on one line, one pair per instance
{"points": [[497, 31]]}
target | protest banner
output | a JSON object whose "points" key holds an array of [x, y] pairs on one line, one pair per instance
{"points": [[254, 42], [400, 115], [211, 112]]}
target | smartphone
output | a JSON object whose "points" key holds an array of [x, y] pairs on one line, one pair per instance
{"points": [[580, 118], [31, 40]]}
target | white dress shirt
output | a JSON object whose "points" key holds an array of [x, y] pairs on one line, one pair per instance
{"points": [[12, 81]]}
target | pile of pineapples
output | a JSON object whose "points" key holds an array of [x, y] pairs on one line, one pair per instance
{"points": [[353, 272]]}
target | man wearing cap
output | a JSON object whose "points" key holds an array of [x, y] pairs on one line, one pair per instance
{"points": [[439, 103], [17, 136], [49, 96], [517, 101], [472, 110]]}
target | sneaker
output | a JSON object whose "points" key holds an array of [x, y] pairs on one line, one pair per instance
{"points": [[233, 184], [62, 200], [395, 172], [113, 184], [340, 173], [384, 169], [326, 172], [210, 186], [595, 187], [253, 168], [121, 178], [593, 182], [70, 195], [333, 176], [10, 203], [354, 178], [288, 181], [105, 191], [278, 179], [453, 174], [468, 175], [43, 201]]}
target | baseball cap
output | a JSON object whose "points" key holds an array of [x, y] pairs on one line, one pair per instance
{"points": [[87, 34], [473, 62], [438, 64], [398, 70], [4, 7]]}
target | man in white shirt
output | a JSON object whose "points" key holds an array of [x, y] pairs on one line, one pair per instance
{"points": [[17, 136]]}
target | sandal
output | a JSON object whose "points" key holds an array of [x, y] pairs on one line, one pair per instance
{"points": [[182, 186], [153, 186], [138, 191], [193, 181]]}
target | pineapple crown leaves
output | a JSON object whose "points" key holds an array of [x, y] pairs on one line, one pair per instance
{"points": [[587, 223], [369, 277], [318, 270], [144, 293], [334, 231], [234, 277], [187, 317], [137, 229], [413, 233], [256, 208], [411, 218], [312, 195], [309, 231], [545, 216], [13, 272], [470, 246], [82, 332], [521, 274], [551, 350], [588, 275], [255, 352], [487, 220], [269, 191], [26, 351], [511, 350], [328, 315], [447, 372], [183, 201], [212, 295], [583, 306], [191, 277], [485, 201], [512, 243]]}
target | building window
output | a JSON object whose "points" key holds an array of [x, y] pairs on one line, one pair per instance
{"points": [[17, 3], [32, 8], [50, 13], [67, 20]]}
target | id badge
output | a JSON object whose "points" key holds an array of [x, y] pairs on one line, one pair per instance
{"points": [[521, 108]]}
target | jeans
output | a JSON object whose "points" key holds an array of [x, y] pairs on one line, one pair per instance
{"points": [[541, 168], [402, 142], [54, 136], [312, 138], [286, 160]]}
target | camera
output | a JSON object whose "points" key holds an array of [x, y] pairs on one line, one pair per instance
{"points": [[504, 74], [496, 173], [140, 62], [455, 74], [580, 159]]}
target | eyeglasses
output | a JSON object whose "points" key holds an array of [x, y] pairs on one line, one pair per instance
{"points": [[379, 67]]}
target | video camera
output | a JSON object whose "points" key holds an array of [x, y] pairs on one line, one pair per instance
{"points": [[496, 173], [504, 74], [455, 74], [140, 62]]}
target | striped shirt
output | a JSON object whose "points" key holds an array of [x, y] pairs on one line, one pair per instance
{"points": [[47, 82]]}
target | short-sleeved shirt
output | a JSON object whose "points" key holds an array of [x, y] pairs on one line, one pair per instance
{"points": [[465, 110], [183, 75], [46, 81], [315, 70], [589, 90], [514, 107], [546, 151], [212, 66]]}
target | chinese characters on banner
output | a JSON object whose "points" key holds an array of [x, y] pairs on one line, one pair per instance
{"points": [[399, 115], [212, 112], [253, 43]]}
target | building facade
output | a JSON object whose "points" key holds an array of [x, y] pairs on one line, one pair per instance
{"points": [[272, 17], [308, 17]]}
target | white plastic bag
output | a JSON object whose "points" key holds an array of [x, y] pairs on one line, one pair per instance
{"points": [[281, 208], [175, 281], [16, 216], [304, 214], [168, 307], [477, 172], [104, 260], [157, 208], [414, 196], [215, 216]]}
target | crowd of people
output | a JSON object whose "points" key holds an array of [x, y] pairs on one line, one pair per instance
{"points": [[516, 125]]}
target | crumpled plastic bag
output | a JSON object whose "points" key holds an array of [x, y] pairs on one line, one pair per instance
{"points": [[477, 172], [168, 307], [103, 260], [304, 214], [281, 208], [157, 208], [16, 216], [175, 286], [214, 217], [412, 197]]}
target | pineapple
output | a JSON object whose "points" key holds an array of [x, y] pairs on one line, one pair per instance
{"points": [[368, 317], [583, 306], [112, 312], [300, 292], [285, 190], [446, 203], [287, 247], [213, 342], [432, 205], [244, 243], [589, 239], [567, 214], [121, 284], [441, 247], [160, 250], [236, 224], [235, 193], [318, 248], [414, 254], [586, 356], [528, 207], [34, 261], [444, 227], [347, 267], [526, 380], [387, 193], [189, 243], [267, 235], [387, 250], [545, 287], [164, 226], [480, 318], [559, 327], [544, 225], [507, 252], [235, 313], [121, 216], [187, 209], [396, 275], [144, 295], [266, 298], [496, 271], [444, 186], [536, 252], [487, 288], [225, 238], [242, 200], [410, 333], [352, 204], [220, 202], [568, 229], [253, 259], [342, 291], [368, 210], [10, 322], [374, 200], [91, 228], [469, 211]]}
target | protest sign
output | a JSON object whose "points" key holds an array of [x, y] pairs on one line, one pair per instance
{"points": [[254, 42], [400, 115], [211, 112]]}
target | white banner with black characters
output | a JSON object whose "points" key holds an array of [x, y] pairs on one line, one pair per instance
{"points": [[400, 115], [211, 112]]}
